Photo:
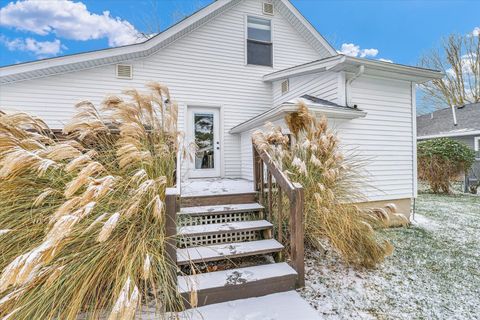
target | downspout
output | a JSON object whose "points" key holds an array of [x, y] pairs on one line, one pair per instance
{"points": [[348, 85]]}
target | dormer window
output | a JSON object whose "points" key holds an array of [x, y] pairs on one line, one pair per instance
{"points": [[259, 42]]}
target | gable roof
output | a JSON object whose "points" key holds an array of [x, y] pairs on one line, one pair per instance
{"points": [[91, 59], [440, 123], [342, 62]]}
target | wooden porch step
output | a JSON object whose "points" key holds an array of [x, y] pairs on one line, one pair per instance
{"points": [[241, 283], [220, 209], [222, 228], [227, 251], [218, 199]]}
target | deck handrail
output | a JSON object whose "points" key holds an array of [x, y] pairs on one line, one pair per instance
{"points": [[172, 206], [263, 164]]}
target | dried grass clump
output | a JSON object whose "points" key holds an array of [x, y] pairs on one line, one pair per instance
{"points": [[82, 220], [331, 184]]}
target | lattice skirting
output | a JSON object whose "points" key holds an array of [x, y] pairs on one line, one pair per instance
{"points": [[219, 238], [217, 218]]}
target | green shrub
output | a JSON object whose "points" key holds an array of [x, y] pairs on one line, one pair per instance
{"points": [[441, 160]]}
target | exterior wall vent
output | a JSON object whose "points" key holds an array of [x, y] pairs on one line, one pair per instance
{"points": [[285, 86], [268, 8], [124, 71]]}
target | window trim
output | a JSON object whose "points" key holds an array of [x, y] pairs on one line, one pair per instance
{"points": [[476, 147], [245, 40]]}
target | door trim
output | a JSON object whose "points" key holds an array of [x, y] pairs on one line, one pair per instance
{"points": [[219, 165]]}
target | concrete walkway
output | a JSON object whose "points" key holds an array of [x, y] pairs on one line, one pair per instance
{"points": [[279, 306]]}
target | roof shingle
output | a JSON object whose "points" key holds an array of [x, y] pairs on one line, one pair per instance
{"points": [[440, 122]]}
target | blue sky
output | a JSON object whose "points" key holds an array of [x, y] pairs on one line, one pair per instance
{"points": [[399, 31]]}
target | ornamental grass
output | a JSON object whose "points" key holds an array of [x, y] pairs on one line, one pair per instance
{"points": [[331, 183], [82, 218]]}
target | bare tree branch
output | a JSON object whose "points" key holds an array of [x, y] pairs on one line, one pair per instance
{"points": [[459, 59]]}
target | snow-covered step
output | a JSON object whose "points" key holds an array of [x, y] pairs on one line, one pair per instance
{"points": [[220, 228], [220, 209], [227, 251], [220, 286]]}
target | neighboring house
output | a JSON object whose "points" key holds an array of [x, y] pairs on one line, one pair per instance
{"points": [[459, 123], [232, 66]]}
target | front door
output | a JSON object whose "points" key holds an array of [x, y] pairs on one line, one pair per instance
{"points": [[203, 127]]}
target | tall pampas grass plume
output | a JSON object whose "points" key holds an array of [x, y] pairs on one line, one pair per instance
{"points": [[77, 212]]}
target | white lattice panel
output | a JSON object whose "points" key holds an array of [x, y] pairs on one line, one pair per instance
{"points": [[240, 236]]}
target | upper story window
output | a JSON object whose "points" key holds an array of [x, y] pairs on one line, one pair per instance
{"points": [[259, 42]]}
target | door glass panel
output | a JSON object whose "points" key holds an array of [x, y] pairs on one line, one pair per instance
{"points": [[204, 156]]}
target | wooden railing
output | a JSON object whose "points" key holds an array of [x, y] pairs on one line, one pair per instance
{"points": [[272, 185], [172, 206]]}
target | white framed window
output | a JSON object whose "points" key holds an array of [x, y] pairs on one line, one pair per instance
{"points": [[259, 41]]}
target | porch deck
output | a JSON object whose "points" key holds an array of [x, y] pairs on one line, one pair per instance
{"points": [[215, 186]]}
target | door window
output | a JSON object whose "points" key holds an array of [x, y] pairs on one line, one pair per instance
{"points": [[204, 138]]}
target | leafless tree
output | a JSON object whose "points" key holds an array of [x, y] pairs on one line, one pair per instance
{"points": [[151, 22], [459, 59]]}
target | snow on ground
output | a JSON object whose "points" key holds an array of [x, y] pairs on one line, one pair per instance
{"points": [[434, 272]]}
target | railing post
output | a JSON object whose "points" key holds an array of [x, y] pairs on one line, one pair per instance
{"points": [[172, 206], [256, 167], [270, 195], [297, 234]]}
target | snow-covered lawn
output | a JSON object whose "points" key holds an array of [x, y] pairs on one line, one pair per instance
{"points": [[434, 272]]}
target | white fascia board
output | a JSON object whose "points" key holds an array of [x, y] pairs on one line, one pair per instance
{"points": [[349, 64], [389, 70], [450, 134], [311, 67], [138, 48], [279, 112]]}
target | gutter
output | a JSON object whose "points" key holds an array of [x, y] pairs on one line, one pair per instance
{"points": [[451, 134], [344, 63]]}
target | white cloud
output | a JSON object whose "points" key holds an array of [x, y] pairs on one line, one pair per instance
{"points": [[354, 50], [350, 49], [41, 49], [468, 61], [476, 32], [385, 60], [67, 19], [368, 53]]}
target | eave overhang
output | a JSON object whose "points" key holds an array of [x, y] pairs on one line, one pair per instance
{"points": [[285, 108], [350, 65]]}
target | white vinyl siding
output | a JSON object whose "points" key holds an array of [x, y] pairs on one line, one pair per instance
{"points": [[204, 68], [384, 138], [322, 85]]}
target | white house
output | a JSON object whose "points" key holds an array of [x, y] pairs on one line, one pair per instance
{"points": [[233, 66]]}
